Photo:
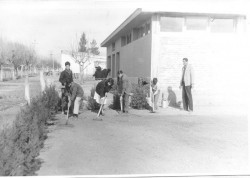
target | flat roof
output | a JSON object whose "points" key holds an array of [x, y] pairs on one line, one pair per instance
{"points": [[143, 14]]}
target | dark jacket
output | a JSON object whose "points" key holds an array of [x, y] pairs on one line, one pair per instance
{"points": [[102, 88], [66, 76], [105, 73], [124, 85], [98, 73], [75, 91], [172, 99]]}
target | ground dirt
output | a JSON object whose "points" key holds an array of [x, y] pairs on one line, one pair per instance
{"points": [[167, 142], [212, 140]]}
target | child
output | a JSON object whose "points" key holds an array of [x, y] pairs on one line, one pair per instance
{"points": [[156, 93], [102, 88]]}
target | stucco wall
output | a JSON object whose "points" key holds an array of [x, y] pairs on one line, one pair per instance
{"points": [[135, 57]]}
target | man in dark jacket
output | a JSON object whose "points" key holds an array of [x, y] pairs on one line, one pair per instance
{"points": [[76, 95], [125, 86], [102, 88], [66, 76]]}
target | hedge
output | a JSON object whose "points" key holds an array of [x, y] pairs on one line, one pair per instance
{"points": [[21, 143]]}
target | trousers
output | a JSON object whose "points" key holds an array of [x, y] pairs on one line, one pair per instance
{"points": [[77, 104], [187, 98]]}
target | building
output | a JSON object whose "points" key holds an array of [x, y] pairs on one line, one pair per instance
{"points": [[152, 43], [88, 66]]}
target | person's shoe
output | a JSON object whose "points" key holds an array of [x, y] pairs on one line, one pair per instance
{"points": [[75, 116]]}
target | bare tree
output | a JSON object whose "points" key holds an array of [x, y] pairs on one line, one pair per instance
{"points": [[82, 51]]}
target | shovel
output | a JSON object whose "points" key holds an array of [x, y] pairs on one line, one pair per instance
{"points": [[99, 112], [68, 113]]}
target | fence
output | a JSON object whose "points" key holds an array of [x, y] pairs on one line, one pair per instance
{"points": [[8, 73]]}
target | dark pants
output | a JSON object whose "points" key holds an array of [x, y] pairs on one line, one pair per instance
{"points": [[125, 102], [187, 98], [65, 101]]}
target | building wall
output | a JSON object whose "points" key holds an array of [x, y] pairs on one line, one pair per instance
{"points": [[219, 62], [135, 58], [75, 67], [89, 66]]}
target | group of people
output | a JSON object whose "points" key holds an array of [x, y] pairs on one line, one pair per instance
{"points": [[101, 73], [72, 93], [124, 90], [186, 84]]}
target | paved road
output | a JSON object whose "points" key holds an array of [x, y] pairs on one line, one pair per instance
{"points": [[144, 143]]}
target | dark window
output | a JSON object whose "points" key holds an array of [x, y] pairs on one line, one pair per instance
{"points": [[148, 28], [123, 41], [171, 24], [222, 25], [129, 38], [113, 46], [196, 23], [136, 33]]}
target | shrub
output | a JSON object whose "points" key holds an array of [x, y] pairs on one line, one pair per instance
{"points": [[92, 104], [21, 143], [138, 100]]}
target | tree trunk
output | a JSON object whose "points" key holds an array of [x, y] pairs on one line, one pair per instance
{"points": [[13, 74], [1, 73], [27, 89]]}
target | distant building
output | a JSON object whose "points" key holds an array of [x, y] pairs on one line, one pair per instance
{"points": [[88, 66], [153, 44]]}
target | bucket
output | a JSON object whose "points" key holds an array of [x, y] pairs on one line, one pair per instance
{"points": [[164, 104]]}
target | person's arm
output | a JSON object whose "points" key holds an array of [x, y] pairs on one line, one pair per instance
{"points": [[192, 76], [62, 78], [124, 86], [73, 94]]}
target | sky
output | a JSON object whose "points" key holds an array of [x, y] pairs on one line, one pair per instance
{"points": [[50, 26]]}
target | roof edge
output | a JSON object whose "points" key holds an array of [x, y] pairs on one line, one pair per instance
{"points": [[129, 19]]}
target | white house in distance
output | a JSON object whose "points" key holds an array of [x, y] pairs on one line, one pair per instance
{"points": [[152, 43], [89, 65]]}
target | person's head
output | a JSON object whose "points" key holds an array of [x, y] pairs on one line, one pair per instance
{"points": [[108, 70], [185, 61], [109, 82], [67, 65], [155, 80], [120, 73]]}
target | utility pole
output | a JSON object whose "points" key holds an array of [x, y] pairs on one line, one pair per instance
{"points": [[51, 56]]}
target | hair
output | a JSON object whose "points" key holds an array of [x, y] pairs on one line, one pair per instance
{"points": [[67, 63], [169, 88], [185, 59], [109, 80], [120, 72], [155, 80]]}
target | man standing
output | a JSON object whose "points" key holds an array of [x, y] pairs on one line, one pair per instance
{"points": [[187, 83], [125, 86], [66, 76]]}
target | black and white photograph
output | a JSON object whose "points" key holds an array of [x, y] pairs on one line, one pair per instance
{"points": [[124, 88]]}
